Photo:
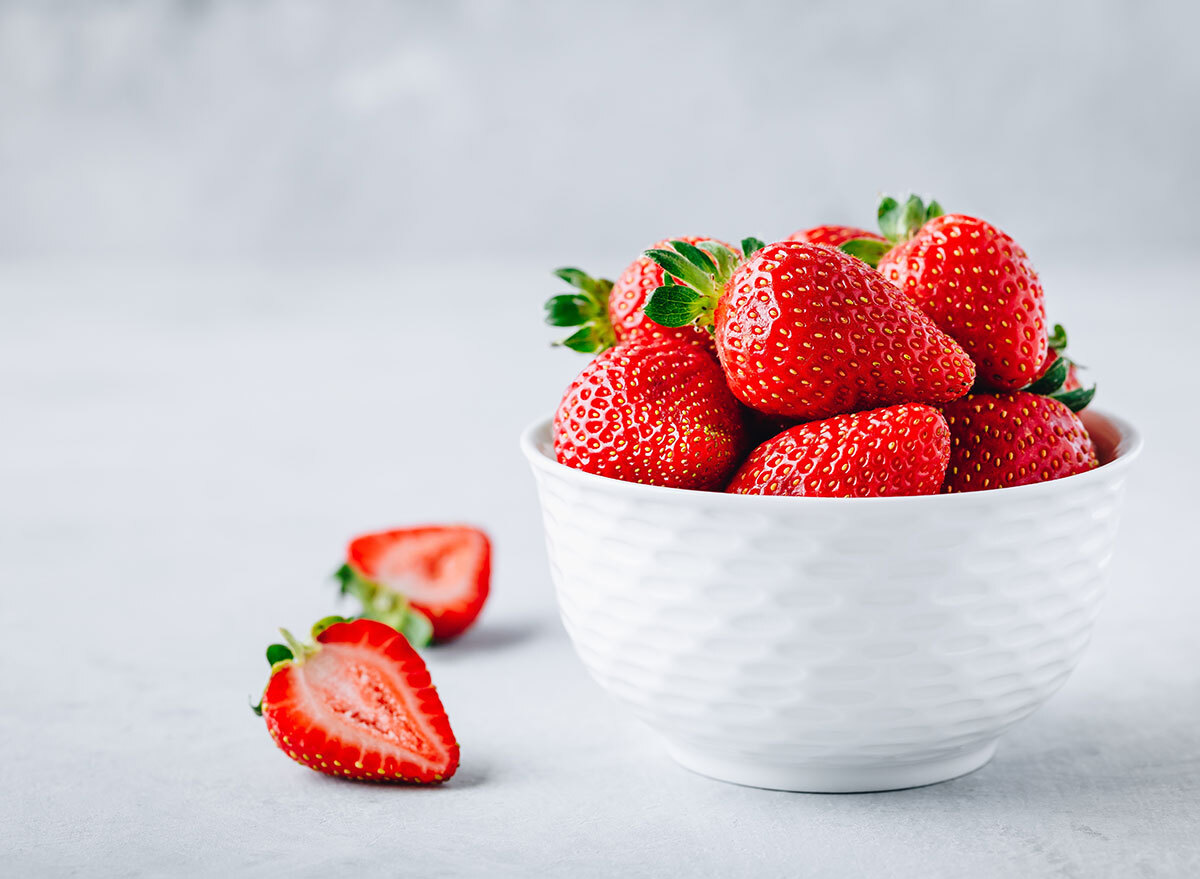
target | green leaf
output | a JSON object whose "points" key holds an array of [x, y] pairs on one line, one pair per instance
{"points": [[345, 576], [588, 340], [887, 204], [912, 216], [278, 653], [257, 709], [1053, 378], [933, 210], [1077, 399], [569, 310], [751, 246], [325, 622], [891, 219], [726, 259], [868, 250], [674, 306], [1058, 338], [695, 256], [587, 309], [416, 628], [677, 267], [576, 278]]}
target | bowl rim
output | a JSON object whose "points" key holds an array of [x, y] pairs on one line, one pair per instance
{"points": [[1128, 448]]}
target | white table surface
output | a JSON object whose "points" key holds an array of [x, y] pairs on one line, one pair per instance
{"points": [[185, 452]]}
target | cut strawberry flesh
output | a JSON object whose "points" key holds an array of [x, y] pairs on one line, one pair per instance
{"points": [[361, 705], [430, 567], [350, 693], [442, 570]]}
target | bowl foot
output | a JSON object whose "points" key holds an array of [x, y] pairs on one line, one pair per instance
{"points": [[826, 779]]}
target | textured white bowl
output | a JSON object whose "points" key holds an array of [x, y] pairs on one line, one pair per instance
{"points": [[829, 644]]}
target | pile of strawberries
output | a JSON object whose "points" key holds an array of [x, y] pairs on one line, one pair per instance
{"points": [[835, 363]]}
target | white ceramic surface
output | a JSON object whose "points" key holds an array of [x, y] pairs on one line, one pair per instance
{"points": [[827, 644]]}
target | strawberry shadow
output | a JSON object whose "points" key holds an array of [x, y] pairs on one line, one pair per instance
{"points": [[490, 637]]}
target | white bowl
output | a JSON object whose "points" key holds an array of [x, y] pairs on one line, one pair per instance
{"points": [[831, 644]]}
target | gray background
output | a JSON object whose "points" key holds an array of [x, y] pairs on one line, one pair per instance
{"points": [[270, 276], [381, 130]]}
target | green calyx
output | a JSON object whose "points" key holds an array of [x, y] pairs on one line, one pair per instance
{"points": [[695, 276], [586, 308], [1051, 382], [386, 606], [898, 221], [293, 651]]}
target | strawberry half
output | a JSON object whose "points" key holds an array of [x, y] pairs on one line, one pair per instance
{"points": [[358, 703], [1001, 440], [440, 571], [833, 236], [973, 280], [656, 412], [607, 313], [805, 331], [898, 450]]}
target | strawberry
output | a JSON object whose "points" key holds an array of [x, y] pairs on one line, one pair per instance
{"points": [[607, 313], [655, 411], [898, 450], [426, 582], [1001, 440], [805, 332], [834, 236], [358, 703], [972, 279]]}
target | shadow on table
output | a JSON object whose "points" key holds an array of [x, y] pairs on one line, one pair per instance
{"points": [[491, 637], [1136, 750]]}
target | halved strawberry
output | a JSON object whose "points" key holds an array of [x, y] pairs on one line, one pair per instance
{"points": [[358, 703], [442, 571]]}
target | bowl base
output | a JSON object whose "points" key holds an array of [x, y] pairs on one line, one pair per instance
{"points": [[826, 779]]}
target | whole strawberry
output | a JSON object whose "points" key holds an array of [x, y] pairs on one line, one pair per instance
{"points": [[972, 279], [654, 411], [804, 331], [1002, 440], [358, 703], [895, 451], [607, 313], [834, 236]]}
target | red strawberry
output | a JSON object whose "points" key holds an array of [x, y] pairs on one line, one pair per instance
{"points": [[358, 703], [1000, 440], [440, 571], [806, 332], [653, 411], [607, 313], [833, 236], [900, 450], [972, 279]]}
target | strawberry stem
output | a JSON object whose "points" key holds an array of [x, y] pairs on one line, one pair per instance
{"points": [[694, 279], [299, 650], [587, 308]]}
